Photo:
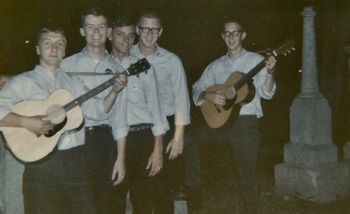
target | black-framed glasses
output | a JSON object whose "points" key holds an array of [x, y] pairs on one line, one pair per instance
{"points": [[234, 33], [147, 30]]}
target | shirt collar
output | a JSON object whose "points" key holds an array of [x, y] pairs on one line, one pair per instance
{"points": [[159, 51], [243, 52], [84, 52], [47, 73]]}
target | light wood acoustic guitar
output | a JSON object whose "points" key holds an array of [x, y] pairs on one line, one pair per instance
{"points": [[61, 109], [217, 116]]}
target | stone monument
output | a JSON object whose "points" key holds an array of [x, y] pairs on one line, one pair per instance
{"points": [[311, 169]]}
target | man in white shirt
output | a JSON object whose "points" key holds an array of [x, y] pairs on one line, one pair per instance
{"points": [[172, 87], [244, 135], [137, 119], [57, 183], [92, 67]]}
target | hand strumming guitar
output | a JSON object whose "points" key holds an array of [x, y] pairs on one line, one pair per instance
{"points": [[219, 97]]}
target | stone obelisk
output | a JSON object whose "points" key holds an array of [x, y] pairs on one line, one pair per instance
{"points": [[311, 169]]}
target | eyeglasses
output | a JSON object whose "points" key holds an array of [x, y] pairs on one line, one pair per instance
{"points": [[234, 33], [147, 30]]}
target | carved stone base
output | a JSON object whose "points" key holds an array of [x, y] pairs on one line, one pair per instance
{"points": [[318, 184]]}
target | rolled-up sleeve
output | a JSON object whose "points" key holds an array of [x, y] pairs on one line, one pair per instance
{"points": [[206, 80], [180, 90], [118, 118], [259, 83]]}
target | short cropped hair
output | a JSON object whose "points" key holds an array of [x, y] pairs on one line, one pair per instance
{"points": [[232, 20], [46, 30], [149, 14], [95, 12], [122, 21]]}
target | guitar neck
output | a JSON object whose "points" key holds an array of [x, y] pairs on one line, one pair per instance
{"points": [[140, 66], [98, 89], [247, 77]]}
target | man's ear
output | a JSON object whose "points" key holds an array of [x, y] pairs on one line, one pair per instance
{"points": [[37, 50], [109, 32], [137, 30], [160, 31], [244, 34], [109, 36], [82, 32]]}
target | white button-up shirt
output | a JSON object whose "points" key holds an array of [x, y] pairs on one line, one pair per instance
{"points": [[172, 83], [81, 65], [38, 85], [137, 103], [218, 71]]}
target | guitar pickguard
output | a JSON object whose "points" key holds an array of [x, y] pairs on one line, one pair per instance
{"points": [[57, 128]]}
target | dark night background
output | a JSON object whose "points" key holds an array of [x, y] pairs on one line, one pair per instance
{"points": [[192, 30]]}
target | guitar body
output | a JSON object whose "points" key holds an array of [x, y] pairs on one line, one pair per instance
{"points": [[217, 116], [30, 147], [62, 110]]}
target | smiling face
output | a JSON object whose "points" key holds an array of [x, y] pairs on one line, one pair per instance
{"points": [[95, 30], [233, 36], [51, 49], [122, 39], [149, 31]]}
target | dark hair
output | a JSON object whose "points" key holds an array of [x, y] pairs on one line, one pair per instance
{"points": [[95, 12], [122, 22], [149, 14], [46, 30], [231, 20]]}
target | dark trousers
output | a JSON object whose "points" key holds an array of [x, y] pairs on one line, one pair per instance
{"points": [[101, 150], [58, 184], [174, 170], [245, 138], [146, 193]]}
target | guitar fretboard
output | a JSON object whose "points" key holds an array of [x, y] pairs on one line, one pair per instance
{"points": [[247, 77], [134, 69], [80, 100]]}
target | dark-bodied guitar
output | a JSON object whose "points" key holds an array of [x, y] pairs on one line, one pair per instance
{"points": [[62, 110], [217, 116]]}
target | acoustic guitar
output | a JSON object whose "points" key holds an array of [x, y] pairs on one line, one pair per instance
{"points": [[217, 116], [62, 110]]}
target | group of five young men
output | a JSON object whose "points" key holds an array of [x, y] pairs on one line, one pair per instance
{"points": [[127, 129]]}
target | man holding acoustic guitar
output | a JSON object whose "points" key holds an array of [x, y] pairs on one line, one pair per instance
{"points": [[217, 92], [58, 183]]}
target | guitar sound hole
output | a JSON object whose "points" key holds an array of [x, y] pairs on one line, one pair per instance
{"points": [[57, 128]]}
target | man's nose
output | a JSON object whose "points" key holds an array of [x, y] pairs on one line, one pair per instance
{"points": [[54, 47]]}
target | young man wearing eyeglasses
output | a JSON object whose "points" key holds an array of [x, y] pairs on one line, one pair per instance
{"points": [[138, 124], [244, 135], [172, 84]]}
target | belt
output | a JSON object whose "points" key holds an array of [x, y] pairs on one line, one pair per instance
{"points": [[102, 126], [140, 127], [248, 116]]}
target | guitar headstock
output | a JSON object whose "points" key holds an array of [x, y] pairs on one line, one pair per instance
{"points": [[284, 49], [138, 67]]}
